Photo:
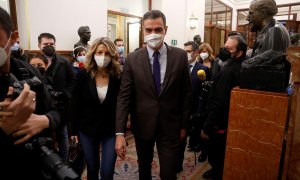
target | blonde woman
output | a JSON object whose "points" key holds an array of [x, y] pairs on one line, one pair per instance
{"points": [[94, 105], [206, 56]]}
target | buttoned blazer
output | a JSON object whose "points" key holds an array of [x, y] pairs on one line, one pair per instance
{"points": [[151, 113]]}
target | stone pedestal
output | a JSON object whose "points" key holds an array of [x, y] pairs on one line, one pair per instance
{"points": [[256, 129], [263, 139]]}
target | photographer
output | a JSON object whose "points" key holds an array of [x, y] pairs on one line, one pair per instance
{"points": [[61, 76], [24, 116]]}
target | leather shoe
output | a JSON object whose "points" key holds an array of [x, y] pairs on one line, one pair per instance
{"points": [[208, 174], [202, 157]]}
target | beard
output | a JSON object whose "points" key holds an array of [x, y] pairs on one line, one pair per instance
{"points": [[255, 25]]}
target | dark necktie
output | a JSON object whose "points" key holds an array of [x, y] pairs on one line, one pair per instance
{"points": [[122, 59], [156, 71]]}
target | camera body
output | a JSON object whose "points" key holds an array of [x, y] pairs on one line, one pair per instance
{"points": [[53, 167]]}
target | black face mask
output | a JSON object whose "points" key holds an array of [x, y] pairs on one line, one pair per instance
{"points": [[42, 70], [224, 54], [48, 50]]}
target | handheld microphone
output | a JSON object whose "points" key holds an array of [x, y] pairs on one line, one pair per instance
{"points": [[201, 74]]}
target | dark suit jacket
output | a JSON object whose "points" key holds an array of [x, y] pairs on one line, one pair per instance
{"points": [[90, 116], [225, 79], [170, 110], [197, 84]]}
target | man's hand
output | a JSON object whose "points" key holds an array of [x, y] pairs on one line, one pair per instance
{"points": [[33, 126], [203, 135], [121, 146], [15, 112], [182, 134]]}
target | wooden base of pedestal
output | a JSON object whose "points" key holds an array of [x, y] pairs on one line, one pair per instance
{"points": [[256, 128]]}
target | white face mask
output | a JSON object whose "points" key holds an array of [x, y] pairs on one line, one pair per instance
{"points": [[81, 58], [3, 54], [189, 56], [153, 40], [204, 55], [102, 61]]}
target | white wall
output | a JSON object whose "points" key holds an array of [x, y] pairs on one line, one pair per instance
{"points": [[177, 14], [198, 8], [60, 18], [5, 5], [133, 7]]}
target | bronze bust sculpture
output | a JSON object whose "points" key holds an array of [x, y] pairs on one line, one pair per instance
{"points": [[197, 39], [84, 33], [267, 69]]}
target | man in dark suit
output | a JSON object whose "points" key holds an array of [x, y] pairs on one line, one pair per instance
{"points": [[156, 91], [226, 76], [191, 49], [61, 76]]}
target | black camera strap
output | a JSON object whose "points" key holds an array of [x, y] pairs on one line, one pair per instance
{"points": [[4, 84]]}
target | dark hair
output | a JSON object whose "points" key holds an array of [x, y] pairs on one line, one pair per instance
{"points": [[154, 14], [116, 40], [242, 45], [236, 33], [45, 35], [39, 56], [82, 29], [265, 7], [78, 49], [194, 45], [5, 22]]}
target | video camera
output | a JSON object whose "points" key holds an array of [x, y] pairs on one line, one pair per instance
{"points": [[53, 167]]}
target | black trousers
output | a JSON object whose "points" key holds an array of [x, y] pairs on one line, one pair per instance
{"points": [[182, 146], [216, 154], [168, 150]]}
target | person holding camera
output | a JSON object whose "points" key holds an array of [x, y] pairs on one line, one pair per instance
{"points": [[61, 75], [26, 112]]}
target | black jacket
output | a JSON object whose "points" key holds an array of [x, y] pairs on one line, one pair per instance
{"points": [[197, 86], [90, 116], [44, 105], [20, 161], [62, 77], [224, 80]]}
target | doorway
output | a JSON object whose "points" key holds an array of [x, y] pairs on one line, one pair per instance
{"points": [[126, 27]]}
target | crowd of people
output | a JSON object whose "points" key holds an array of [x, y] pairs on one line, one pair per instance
{"points": [[175, 97]]}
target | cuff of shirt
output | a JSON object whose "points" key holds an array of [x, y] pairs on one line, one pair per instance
{"points": [[122, 134]]}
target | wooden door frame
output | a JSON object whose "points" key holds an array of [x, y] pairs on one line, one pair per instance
{"points": [[140, 35], [213, 36]]}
